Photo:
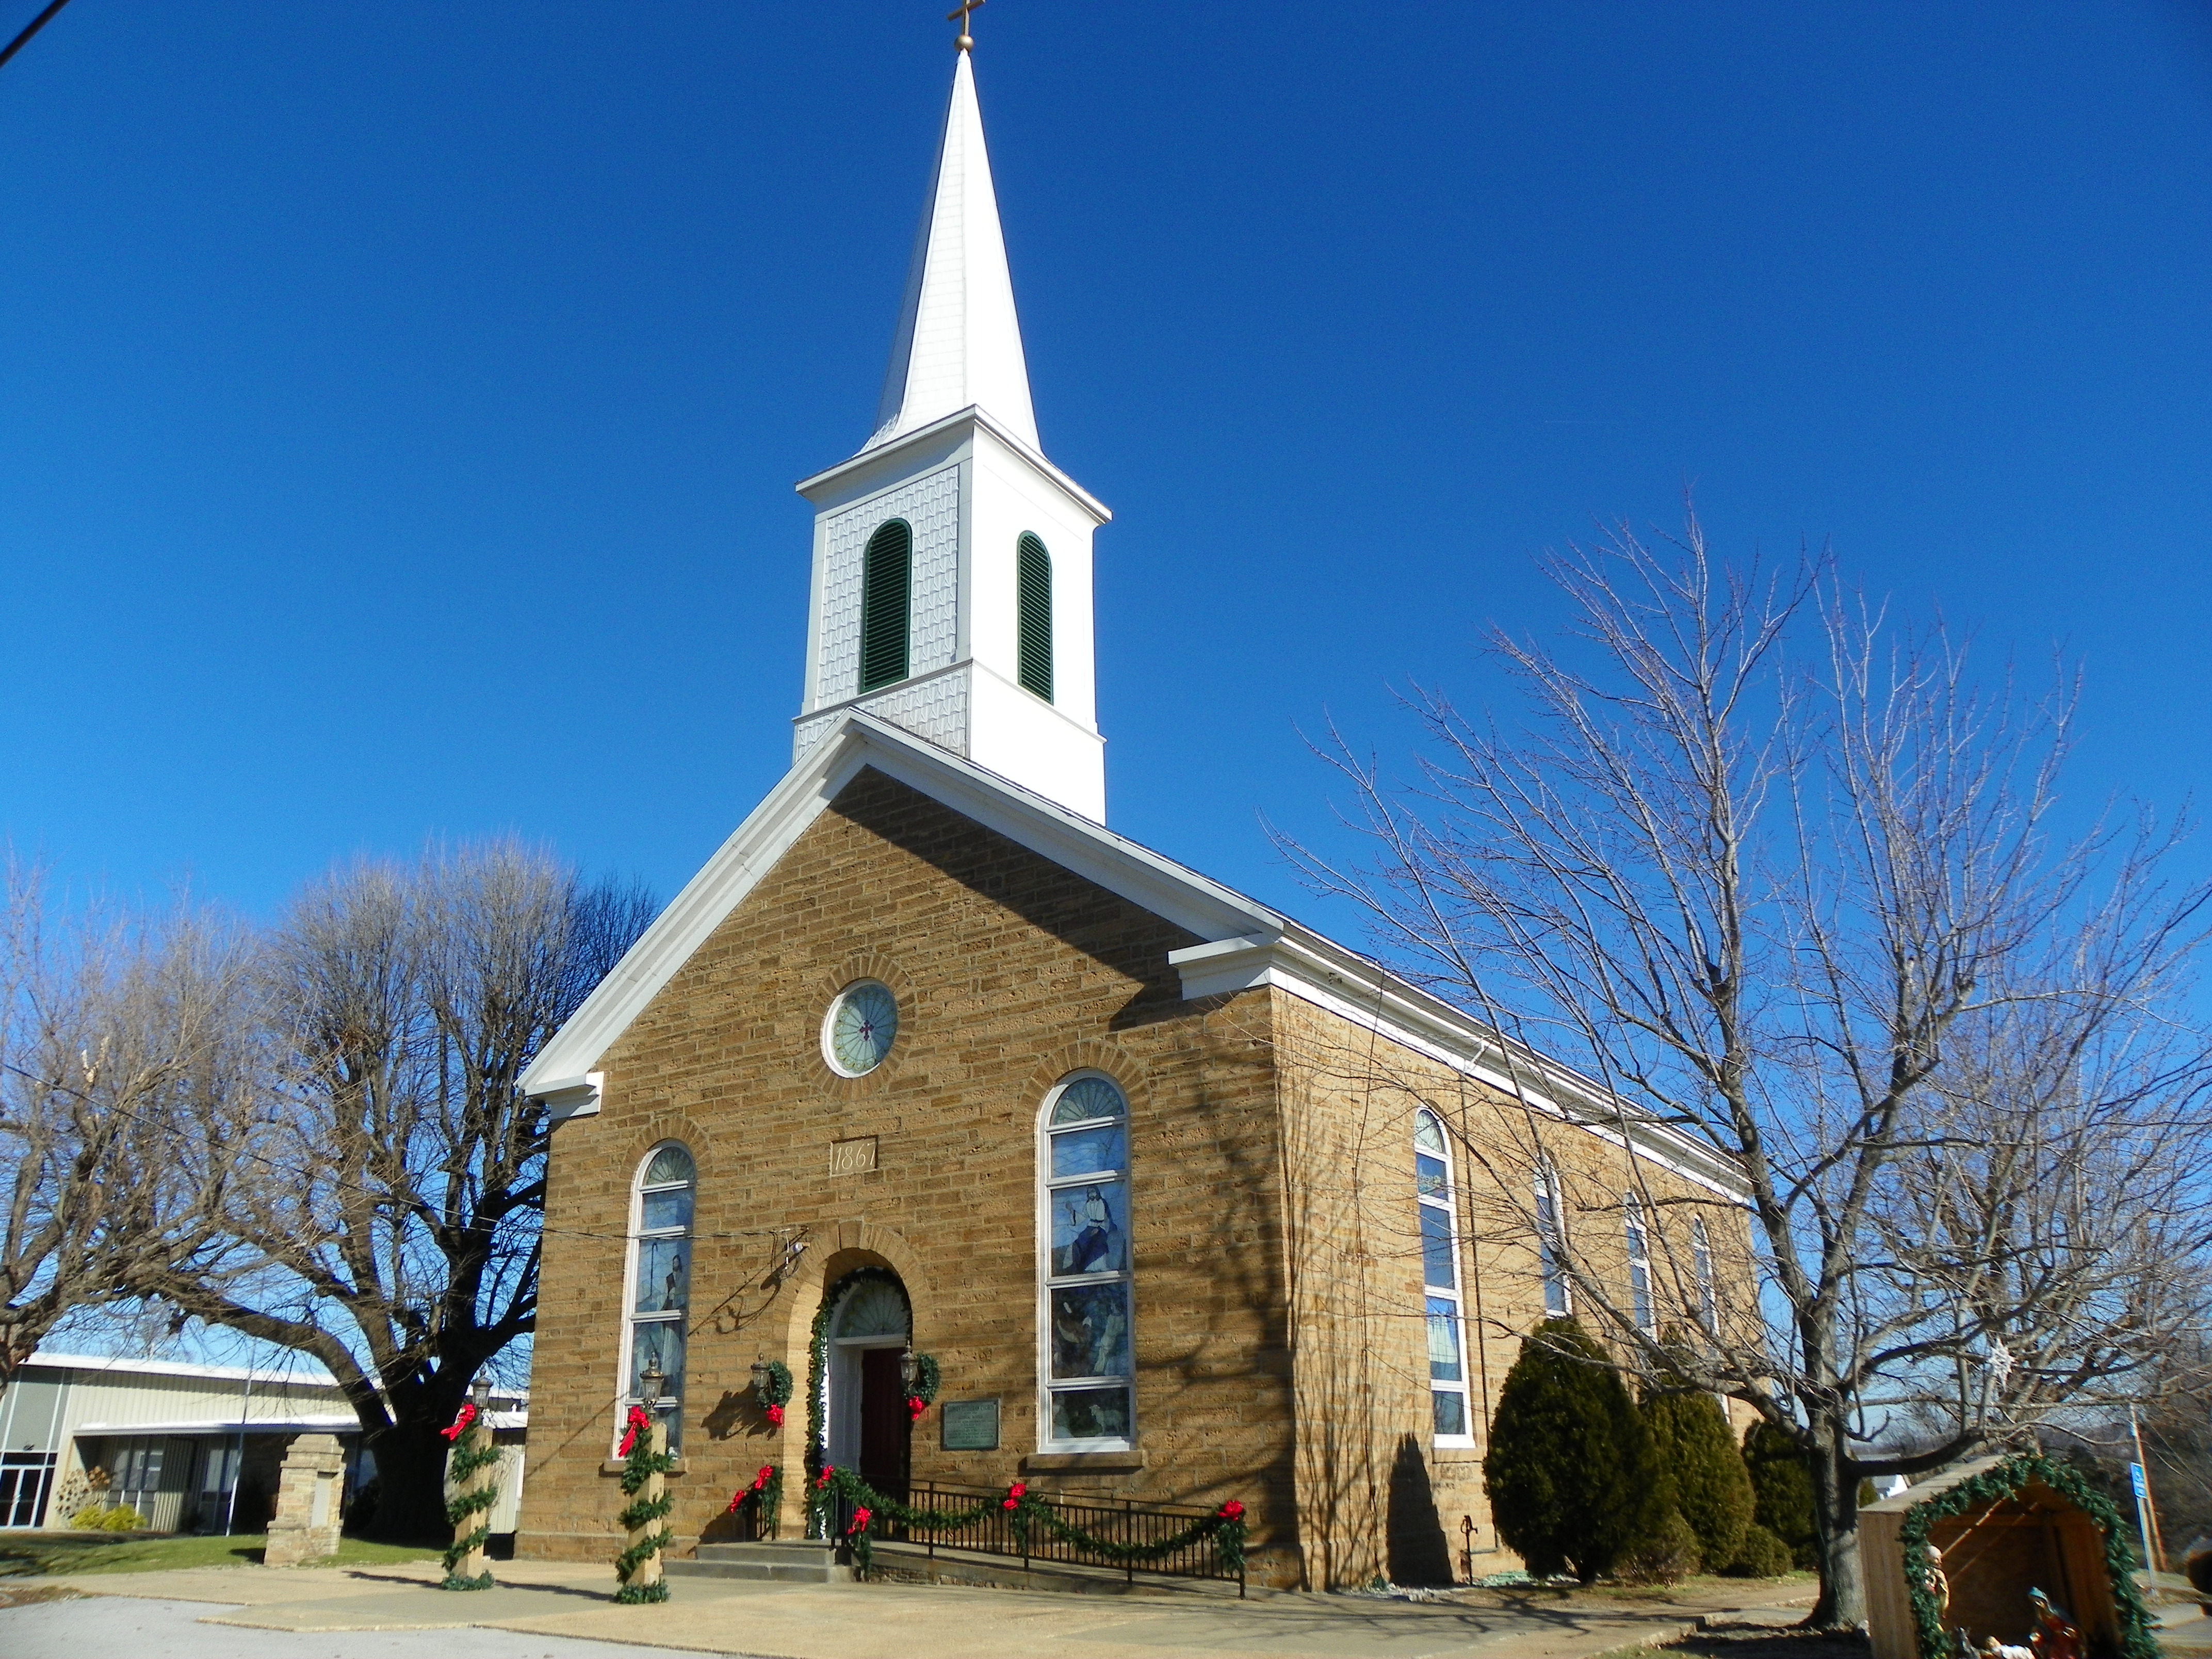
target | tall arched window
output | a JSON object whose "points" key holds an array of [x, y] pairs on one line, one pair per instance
{"points": [[1551, 1243], [660, 1279], [1701, 1263], [1639, 1268], [1089, 1377], [1033, 596], [886, 593], [1435, 1198]]}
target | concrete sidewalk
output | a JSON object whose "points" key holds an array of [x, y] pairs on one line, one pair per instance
{"points": [[902, 1621]]}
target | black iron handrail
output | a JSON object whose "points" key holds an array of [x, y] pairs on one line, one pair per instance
{"points": [[1125, 1522]]}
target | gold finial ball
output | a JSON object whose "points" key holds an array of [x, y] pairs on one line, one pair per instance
{"points": [[965, 43]]}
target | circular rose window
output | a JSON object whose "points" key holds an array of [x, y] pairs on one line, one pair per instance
{"points": [[858, 1033]]}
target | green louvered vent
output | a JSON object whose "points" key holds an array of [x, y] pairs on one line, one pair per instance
{"points": [[1035, 599], [886, 582]]}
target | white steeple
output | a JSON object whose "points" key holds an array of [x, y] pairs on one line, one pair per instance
{"points": [[959, 342], [952, 560]]}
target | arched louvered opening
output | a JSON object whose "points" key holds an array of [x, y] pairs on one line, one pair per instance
{"points": [[886, 589], [1033, 596]]}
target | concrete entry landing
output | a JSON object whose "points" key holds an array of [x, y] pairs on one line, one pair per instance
{"points": [[806, 1561]]}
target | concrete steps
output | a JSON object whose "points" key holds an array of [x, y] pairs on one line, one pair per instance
{"points": [[797, 1561]]}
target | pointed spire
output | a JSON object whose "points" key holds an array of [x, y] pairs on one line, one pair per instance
{"points": [[958, 341]]}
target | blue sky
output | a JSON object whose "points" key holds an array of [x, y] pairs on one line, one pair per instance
{"points": [[400, 404]]}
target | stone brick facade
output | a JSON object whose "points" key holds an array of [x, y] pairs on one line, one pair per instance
{"points": [[1277, 1337]]}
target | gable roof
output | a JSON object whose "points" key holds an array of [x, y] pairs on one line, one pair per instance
{"points": [[1248, 944]]}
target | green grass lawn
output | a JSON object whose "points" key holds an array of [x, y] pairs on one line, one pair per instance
{"points": [[23, 1554]]}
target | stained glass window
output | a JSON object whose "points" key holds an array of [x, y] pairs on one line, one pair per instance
{"points": [[1088, 1365], [863, 1023], [1439, 1230], [1639, 1268], [660, 1281], [1701, 1258], [1551, 1256]]}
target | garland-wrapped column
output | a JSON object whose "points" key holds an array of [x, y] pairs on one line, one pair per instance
{"points": [[476, 1491], [645, 1463]]}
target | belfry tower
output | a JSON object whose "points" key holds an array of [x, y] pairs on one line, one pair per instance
{"points": [[952, 592]]}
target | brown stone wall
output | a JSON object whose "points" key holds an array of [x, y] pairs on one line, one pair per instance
{"points": [[1009, 972], [1376, 1494]]}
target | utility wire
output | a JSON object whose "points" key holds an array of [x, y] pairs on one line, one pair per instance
{"points": [[30, 29], [382, 1195]]}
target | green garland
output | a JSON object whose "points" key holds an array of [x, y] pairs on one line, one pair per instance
{"points": [[766, 1496], [640, 1463], [469, 1456], [1993, 1485], [1029, 1513]]}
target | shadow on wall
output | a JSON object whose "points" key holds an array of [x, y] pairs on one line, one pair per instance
{"points": [[1419, 1554]]}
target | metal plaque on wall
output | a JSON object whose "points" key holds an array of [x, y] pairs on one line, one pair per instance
{"points": [[970, 1425]]}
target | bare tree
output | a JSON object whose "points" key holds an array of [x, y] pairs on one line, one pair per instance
{"points": [[1814, 905], [121, 1063], [393, 1217]]}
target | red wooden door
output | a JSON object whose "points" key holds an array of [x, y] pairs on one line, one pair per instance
{"points": [[884, 1424]]}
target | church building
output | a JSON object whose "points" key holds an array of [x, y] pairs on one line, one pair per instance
{"points": [[1185, 1201]]}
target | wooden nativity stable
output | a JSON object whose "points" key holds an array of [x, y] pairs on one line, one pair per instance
{"points": [[2005, 1526]]}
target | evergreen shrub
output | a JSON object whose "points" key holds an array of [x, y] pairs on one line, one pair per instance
{"points": [[1664, 1551], [1761, 1555], [1691, 1441], [1569, 1470], [1782, 1490]]}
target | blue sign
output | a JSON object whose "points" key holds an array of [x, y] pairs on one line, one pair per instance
{"points": [[2135, 1479]]}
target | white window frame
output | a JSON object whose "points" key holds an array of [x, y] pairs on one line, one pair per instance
{"points": [[1701, 1258], [1445, 1203], [624, 1399], [1048, 1385], [1643, 1305], [1559, 1292]]}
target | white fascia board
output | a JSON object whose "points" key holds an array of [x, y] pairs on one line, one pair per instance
{"points": [[889, 459], [347, 1422], [1317, 970], [307, 1374], [1143, 878]]}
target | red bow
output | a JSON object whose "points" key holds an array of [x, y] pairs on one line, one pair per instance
{"points": [[1232, 1511], [639, 1423], [916, 1406], [776, 1415], [766, 1474], [1015, 1493], [861, 1517], [828, 1469], [461, 1423]]}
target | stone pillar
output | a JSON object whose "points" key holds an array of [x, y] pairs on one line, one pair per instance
{"points": [[656, 1486], [476, 1438], [309, 1488]]}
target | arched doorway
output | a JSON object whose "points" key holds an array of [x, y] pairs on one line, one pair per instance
{"points": [[869, 1327]]}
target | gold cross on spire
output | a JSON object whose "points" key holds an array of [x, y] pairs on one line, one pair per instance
{"points": [[967, 42]]}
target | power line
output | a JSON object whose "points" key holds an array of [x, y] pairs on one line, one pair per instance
{"points": [[30, 29]]}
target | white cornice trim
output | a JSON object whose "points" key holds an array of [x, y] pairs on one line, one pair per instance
{"points": [[1317, 970], [859, 739], [1249, 945], [974, 413]]}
